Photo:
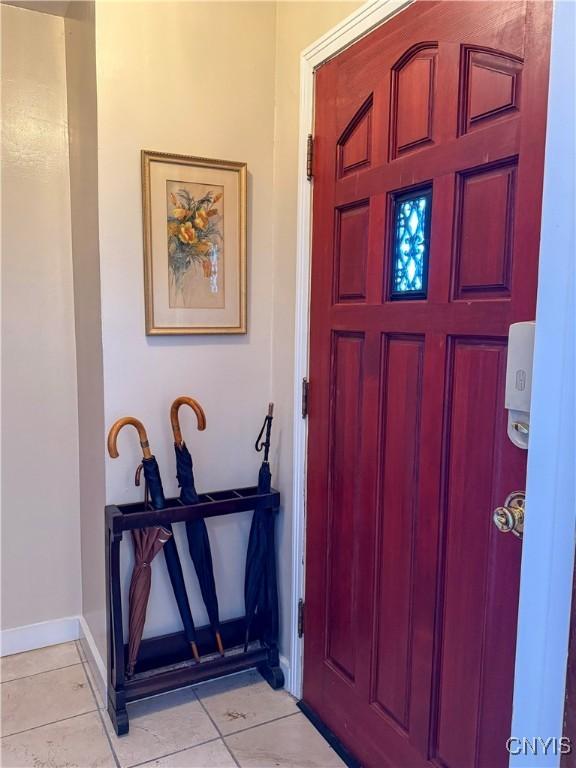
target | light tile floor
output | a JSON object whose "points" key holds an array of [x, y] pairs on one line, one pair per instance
{"points": [[52, 717]]}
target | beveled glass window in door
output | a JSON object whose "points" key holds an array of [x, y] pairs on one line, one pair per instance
{"points": [[411, 244]]}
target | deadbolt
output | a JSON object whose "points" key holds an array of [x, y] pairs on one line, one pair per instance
{"points": [[510, 517]]}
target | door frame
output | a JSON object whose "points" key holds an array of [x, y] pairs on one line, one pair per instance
{"points": [[362, 21], [540, 670]]}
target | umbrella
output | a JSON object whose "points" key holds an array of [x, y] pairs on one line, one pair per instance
{"points": [[147, 543], [260, 588], [196, 531], [152, 475]]}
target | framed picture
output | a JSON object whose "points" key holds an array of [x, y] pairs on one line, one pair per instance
{"points": [[194, 244]]}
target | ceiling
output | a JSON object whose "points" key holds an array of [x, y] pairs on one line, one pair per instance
{"points": [[54, 7]]}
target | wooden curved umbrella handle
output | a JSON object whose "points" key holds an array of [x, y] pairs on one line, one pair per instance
{"points": [[115, 429], [196, 407]]}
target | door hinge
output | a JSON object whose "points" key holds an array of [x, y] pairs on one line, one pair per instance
{"points": [[309, 156], [305, 392], [300, 617]]}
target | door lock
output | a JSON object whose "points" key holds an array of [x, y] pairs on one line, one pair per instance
{"points": [[510, 517]]}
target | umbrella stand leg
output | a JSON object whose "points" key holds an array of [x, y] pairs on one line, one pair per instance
{"points": [[114, 640]]}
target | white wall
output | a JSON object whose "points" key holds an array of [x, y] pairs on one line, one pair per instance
{"points": [[40, 497]]}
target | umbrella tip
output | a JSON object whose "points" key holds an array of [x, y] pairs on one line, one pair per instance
{"points": [[195, 651], [219, 644], [270, 409]]}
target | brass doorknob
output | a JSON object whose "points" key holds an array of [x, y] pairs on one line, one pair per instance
{"points": [[510, 517]]}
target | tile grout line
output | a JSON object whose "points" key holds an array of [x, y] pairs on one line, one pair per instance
{"points": [[101, 714], [84, 663], [88, 672], [80, 651], [108, 739], [232, 755], [100, 717], [52, 722], [42, 672], [177, 752]]}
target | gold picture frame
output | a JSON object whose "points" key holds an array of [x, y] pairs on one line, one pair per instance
{"points": [[194, 218]]}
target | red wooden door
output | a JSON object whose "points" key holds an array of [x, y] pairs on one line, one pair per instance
{"points": [[429, 143]]}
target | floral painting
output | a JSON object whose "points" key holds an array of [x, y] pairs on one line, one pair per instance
{"points": [[195, 218]]}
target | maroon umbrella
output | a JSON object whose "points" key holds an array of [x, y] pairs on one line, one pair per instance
{"points": [[147, 543]]}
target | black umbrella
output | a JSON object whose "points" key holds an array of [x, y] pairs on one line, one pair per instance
{"points": [[154, 483], [198, 541], [260, 588]]}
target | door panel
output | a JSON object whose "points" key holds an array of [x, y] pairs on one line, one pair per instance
{"points": [[429, 140], [346, 415], [490, 86], [400, 424], [483, 240], [476, 415], [351, 251], [354, 147], [413, 93]]}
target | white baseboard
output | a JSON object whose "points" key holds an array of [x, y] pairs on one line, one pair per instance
{"points": [[285, 667], [40, 635], [45, 633], [94, 659]]}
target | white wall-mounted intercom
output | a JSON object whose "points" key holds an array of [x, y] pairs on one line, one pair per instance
{"points": [[519, 381]]}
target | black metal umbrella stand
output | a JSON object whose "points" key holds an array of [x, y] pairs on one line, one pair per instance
{"points": [[164, 662]]}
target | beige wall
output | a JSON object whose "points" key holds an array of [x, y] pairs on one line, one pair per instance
{"points": [[167, 87], [231, 95], [40, 522], [83, 151], [298, 24]]}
